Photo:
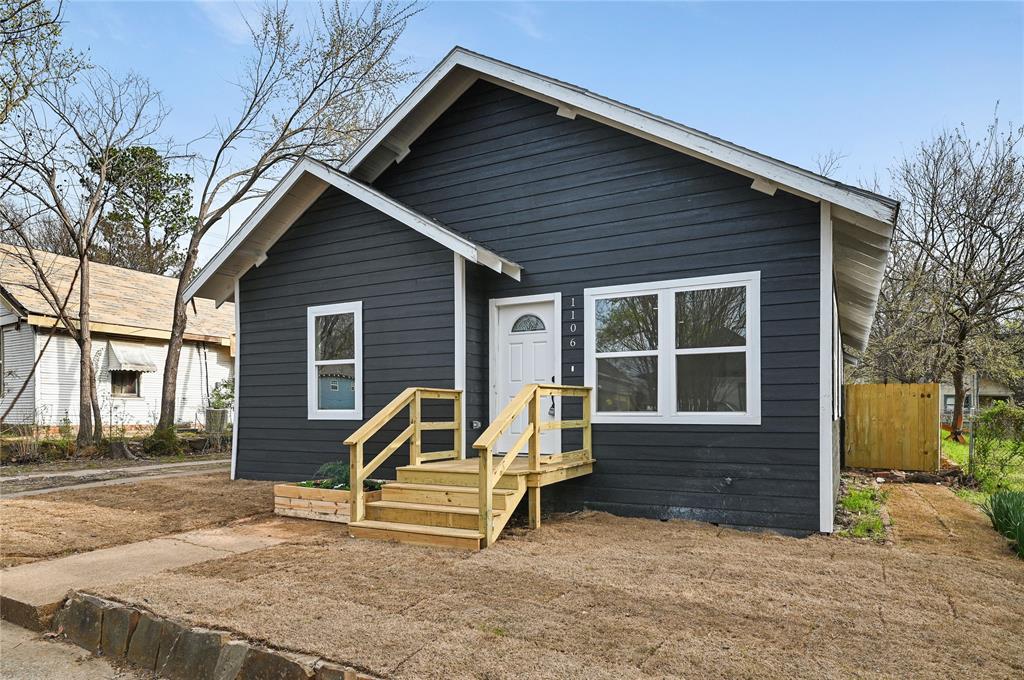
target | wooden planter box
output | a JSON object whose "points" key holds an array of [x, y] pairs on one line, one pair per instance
{"points": [[328, 505]]}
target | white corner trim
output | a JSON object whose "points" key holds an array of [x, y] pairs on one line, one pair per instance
{"points": [[826, 504], [460, 336], [666, 351], [314, 412], [238, 382]]}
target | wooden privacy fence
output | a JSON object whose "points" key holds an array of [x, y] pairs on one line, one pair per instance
{"points": [[892, 426]]}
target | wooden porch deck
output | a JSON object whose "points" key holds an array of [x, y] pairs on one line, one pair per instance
{"points": [[553, 469]]}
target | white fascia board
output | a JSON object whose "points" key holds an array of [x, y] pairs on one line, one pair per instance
{"points": [[637, 122], [361, 192]]}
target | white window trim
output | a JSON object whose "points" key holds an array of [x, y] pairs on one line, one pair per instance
{"points": [[667, 351], [314, 412]]}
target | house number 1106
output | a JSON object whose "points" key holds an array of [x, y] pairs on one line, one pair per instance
{"points": [[574, 328]]}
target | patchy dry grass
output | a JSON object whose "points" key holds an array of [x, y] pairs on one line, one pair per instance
{"points": [[595, 596], [63, 522]]}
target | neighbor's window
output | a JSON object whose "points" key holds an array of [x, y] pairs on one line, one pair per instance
{"points": [[335, 361], [675, 351], [125, 383]]}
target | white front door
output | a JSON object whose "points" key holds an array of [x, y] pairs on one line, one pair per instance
{"points": [[524, 337]]}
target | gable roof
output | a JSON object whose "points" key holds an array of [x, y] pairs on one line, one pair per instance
{"points": [[121, 298], [862, 221], [298, 189]]}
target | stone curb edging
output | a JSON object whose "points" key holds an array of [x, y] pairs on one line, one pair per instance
{"points": [[178, 651]]}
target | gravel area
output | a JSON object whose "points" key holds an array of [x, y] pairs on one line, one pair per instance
{"points": [[596, 596]]}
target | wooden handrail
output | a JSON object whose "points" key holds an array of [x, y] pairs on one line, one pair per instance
{"points": [[412, 398], [490, 474], [371, 426], [505, 418]]}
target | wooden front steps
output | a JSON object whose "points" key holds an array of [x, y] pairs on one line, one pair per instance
{"points": [[443, 499], [417, 510], [463, 539]]}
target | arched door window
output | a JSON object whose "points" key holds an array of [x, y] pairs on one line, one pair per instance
{"points": [[528, 323]]}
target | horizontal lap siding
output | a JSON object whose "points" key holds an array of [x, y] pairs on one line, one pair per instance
{"points": [[581, 205], [339, 251], [19, 353]]}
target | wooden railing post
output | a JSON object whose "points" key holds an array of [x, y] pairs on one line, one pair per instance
{"points": [[357, 509], [486, 497], [588, 440], [534, 407], [415, 444], [533, 411], [459, 440]]}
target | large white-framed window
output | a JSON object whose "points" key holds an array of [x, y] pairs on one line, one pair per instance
{"points": [[679, 351], [334, 335]]}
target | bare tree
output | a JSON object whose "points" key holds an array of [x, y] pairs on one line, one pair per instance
{"points": [[30, 51], [829, 163], [63, 141], [311, 92], [958, 275]]}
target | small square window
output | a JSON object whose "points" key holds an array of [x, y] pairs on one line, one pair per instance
{"points": [[125, 383]]}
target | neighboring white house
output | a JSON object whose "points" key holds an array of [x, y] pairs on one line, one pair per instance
{"points": [[130, 320], [989, 392]]}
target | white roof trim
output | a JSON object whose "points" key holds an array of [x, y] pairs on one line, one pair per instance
{"points": [[213, 283], [641, 123]]}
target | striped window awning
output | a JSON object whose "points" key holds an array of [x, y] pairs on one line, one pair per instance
{"points": [[124, 356]]}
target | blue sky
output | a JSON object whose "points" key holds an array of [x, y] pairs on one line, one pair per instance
{"points": [[793, 80]]}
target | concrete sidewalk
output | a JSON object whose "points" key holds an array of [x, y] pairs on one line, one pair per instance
{"points": [[30, 594], [25, 655]]}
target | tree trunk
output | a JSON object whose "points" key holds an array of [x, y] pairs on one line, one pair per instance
{"points": [[97, 414], [85, 377], [956, 428], [180, 320]]}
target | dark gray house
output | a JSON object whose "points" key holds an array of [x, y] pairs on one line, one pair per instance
{"points": [[503, 228]]}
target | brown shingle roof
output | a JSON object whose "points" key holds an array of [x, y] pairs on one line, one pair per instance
{"points": [[119, 296]]}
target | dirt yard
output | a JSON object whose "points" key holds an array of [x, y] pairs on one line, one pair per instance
{"points": [[63, 522], [596, 596]]}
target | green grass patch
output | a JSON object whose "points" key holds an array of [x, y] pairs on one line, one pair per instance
{"points": [[955, 451], [862, 501], [861, 511], [868, 527]]}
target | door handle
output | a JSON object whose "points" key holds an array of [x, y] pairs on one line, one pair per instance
{"points": [[551, 411]]}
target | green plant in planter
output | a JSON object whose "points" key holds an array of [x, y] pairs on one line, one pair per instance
{"points": [[336, 476], [1006, 511]]}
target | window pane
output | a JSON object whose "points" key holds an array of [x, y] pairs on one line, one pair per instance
{"points": [[124, 383], [337, 387], [335, 337], [527, 323], [627, 384], [711, 382], [626, 324], [716, 317]]}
